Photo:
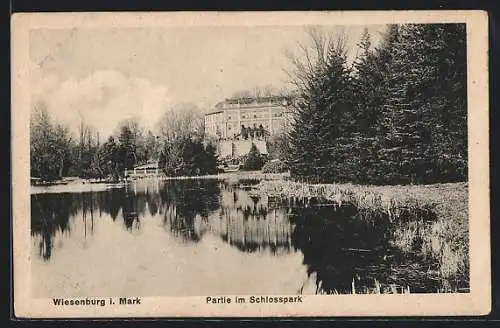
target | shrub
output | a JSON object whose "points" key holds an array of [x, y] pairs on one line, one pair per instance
{"points": [[254, 159], [277, 147], [275, 166]]}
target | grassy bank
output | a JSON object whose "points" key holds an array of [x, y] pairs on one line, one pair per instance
{"points": [[431, 220]]}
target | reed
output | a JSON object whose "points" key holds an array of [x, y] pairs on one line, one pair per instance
{"points": [[431, 220], [377, 288]]}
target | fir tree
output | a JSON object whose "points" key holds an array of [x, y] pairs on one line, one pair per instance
{"points": [[398, 117], [253, 160], [425, 108], [323, 116], [368, 93]]}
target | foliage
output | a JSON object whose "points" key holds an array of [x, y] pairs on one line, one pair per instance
{"points": [[49, 146], [323, 123], [182, 151], [210, 159], [181, 121], [188, 156], [254, 160], [127, 149], [110, 162], [278, 147], [397, 115], [275, 166], [55, 153], [424, 117]]}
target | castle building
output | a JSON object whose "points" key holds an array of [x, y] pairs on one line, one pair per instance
{"points": [[235, 118]]}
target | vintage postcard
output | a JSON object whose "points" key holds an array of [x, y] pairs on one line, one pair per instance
{"points": [[244, 164]]}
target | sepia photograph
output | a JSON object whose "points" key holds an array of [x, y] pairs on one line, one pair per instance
{"points": [[240, 164]]}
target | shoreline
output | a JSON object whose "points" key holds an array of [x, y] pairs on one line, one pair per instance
{"points": [[383, 197], [87, 185]]}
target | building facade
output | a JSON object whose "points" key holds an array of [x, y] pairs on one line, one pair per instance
{"points": [[237, 119]]}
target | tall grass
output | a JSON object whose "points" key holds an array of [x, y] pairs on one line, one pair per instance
{"points": [[377, 288], [428, 220]]}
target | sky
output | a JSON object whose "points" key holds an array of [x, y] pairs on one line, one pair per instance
{"points": [[105, 75]]}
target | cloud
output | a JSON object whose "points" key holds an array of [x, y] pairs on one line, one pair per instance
{"points": [[102, 99]]}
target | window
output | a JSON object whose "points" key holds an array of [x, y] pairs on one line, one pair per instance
{"points": [[255, 116], [243, 116], [229, 117]]}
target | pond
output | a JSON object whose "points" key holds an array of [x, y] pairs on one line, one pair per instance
{"points": [[211, 237]]}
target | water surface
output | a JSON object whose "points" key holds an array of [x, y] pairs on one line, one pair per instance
{"points": [[209, 237]]}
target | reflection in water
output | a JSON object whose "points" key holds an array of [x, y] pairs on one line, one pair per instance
{"points": [[183, 203], [341, 251], [50, 214], [249, 223], [350, 254]]}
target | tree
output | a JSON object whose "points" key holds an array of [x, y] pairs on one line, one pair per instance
{"points": [[127, 148], [41, 159], [397, 115], [192, 157], [110, 158], [177, 125], [210, 160], [370, 78], [62, 149], [50, 146], [253, 160], [180, 121], [172, 155], [278, 147], [188, 156], [133, 142], [424, 116], [323, 115], [150, 145]]}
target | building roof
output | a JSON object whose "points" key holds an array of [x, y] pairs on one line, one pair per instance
{"points": [[249, 101]]}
